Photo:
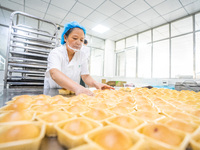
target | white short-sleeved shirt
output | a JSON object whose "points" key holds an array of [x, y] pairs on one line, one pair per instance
{"points": [[58, 58]]}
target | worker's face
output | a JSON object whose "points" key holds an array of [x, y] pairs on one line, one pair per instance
{"points": [[75, 39]]}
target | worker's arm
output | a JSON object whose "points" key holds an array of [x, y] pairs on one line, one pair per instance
{"points": [[92, 83], [67, 83]]}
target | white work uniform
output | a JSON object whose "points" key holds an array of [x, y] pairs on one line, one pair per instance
{"points": [[58, 58]]}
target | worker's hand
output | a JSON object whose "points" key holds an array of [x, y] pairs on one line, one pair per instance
{"points": [[82, 90], [103, 86]]}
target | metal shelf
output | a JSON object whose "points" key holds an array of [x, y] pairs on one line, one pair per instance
{"points": [[29, 54], [28, 65], [32, 38], [30, 48], [26, 71], [31, 43], [14, 59], [27, 51]]}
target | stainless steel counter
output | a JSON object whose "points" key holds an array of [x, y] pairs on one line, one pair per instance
{"points": [[8, 94]]}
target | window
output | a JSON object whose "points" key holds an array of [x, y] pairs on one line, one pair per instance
{"points": [[3, 45], [181, 26], [120, 64], [198, 55], [197, 21], [97, 43], [120, 45], [131, 41], [161, 59], [144, 55], [96, 62], [182, 56], [131, 62], [161, 32]]}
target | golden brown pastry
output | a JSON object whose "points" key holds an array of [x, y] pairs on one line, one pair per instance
{"points": [[17, 106], [147, 116], [96, 114], [43, 108], [16, 116], [99, 105], [77, 126], [162, 133], [42, 96], [181, 125], [54, 117], [113, 139], [120, 109], [23, 99], [19, 132], [125, 122], [77, 109], [65, 92]]}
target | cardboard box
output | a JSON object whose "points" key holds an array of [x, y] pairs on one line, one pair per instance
{"points": [[116, 83], [103, 81]]}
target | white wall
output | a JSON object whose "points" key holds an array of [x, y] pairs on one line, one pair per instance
{"points": [[109, 58], [1, 77]]}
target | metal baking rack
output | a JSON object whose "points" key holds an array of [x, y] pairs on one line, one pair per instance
{"points": [[27, 50]]}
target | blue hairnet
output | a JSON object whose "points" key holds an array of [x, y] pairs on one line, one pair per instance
{"points": [[71, 25]]}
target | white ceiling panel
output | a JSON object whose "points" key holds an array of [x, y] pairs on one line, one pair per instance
{"points": [[120, 28], [34, 12], [47, 1], [110, 22], [175, 14], [122, 3], [88, 23], [129, 32], [141, 28], [81, 10], [21, 2], [37, 5], [154, 2], [121, 16], [73, 17], [156, 21], [108, 8], [148, 15], [5, 17], [186, 2], [53, 19], [103, 36], [92, 3], [56, 12], [12, 5], [96, 17], [132, 22], [118, 36], [110, 33], [168, 6], [137, 7], [193, 7], [64, 22], [64, 4]]}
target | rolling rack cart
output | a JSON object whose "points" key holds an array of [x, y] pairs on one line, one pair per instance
{"points": [[27, 50]]}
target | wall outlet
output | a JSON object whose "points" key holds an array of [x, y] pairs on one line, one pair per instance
{"points": [[165, 82]]}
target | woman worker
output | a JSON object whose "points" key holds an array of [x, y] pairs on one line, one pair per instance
{"points": [[67, 63]]}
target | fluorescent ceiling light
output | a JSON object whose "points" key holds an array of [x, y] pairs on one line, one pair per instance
{"points": [[101, 29]]}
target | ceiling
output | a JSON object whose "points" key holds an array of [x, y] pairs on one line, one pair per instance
{"points": [[123, 17]]}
